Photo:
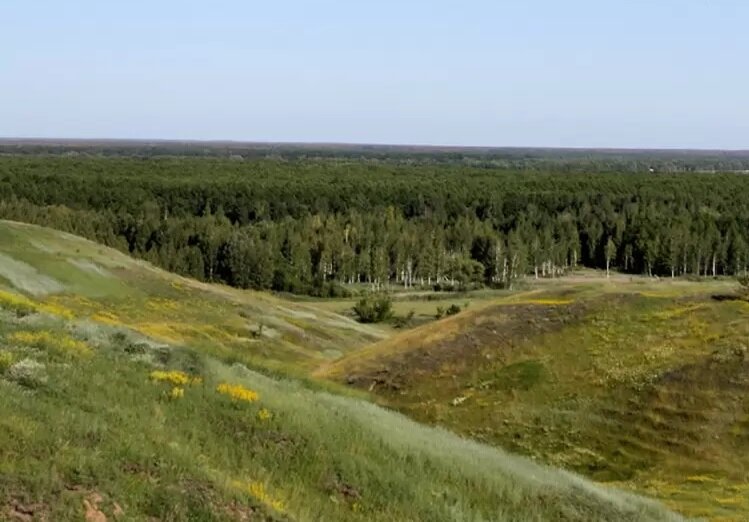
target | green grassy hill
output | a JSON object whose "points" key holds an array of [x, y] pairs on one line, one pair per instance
{"points": [[126, 394], [88, 281], [640, 384]]}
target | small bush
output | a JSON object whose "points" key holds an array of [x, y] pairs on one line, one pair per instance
{"points": [[119, 338], [453, 309], [28, 372], [374, 309], [403, 321]]}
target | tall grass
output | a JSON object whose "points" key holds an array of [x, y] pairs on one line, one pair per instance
{"points": [[101, 428]]}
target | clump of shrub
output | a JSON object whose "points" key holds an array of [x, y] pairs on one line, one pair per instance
{"points": [[28, 372], [374, 309], [451, 310], [122, 341], [403, 321]]}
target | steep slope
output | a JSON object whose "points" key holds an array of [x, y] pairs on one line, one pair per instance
{"points": [[99, 420], [644, 385]]}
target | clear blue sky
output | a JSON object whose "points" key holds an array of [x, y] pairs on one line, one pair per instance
{"points": [[624, 73]]}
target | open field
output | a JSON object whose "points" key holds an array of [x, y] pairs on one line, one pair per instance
{"points": [[637, 383], [124, 396]]}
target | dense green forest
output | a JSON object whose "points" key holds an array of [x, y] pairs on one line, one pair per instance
{"points": [[525, 158], [317, 225]]}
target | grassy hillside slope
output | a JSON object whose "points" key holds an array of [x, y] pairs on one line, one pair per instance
{"points": [[92, 282], [640, 384], [122, 397]]}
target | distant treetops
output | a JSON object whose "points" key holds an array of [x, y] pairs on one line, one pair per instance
{"points": [[318, 226]]}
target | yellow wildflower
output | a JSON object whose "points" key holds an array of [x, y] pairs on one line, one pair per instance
{"points": [[56, 309], [16, 303], [106, 318], [46, 340], [160, 305], [177, 393], [175, 377], [24, 306], [263, 414], [238, 392]]}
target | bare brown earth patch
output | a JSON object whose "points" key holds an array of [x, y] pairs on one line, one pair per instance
{"points": [[18, 510]]}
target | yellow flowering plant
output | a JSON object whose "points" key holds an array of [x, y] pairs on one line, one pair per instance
{"points": [[175, 377], [238, 392], [45, 340]]}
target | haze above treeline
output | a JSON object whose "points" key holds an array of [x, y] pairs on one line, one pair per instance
{"points": [[577, 159]]}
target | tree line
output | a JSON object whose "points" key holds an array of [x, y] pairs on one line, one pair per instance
{"points": [[316, 227]]}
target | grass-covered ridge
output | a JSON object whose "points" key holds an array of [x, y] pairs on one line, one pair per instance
{"points": [[639, 384], [100, 417]]}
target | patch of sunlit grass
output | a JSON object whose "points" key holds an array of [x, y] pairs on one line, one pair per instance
{"points": [[161, 331], [677, 312], [259, 492], [158, 304], [546, 302]]}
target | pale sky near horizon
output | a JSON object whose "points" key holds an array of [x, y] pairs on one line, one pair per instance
{"points": [[576, 73]]}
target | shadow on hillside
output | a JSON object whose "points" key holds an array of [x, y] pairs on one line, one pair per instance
{"points": [[730, 297]]}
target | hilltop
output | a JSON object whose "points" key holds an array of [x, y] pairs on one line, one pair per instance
{"points": [[129, 393]]}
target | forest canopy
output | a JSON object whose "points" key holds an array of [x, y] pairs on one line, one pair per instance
{"points": [[316, 225]]}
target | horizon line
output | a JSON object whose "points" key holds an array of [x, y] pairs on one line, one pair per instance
{"points": [[346, 144]]}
